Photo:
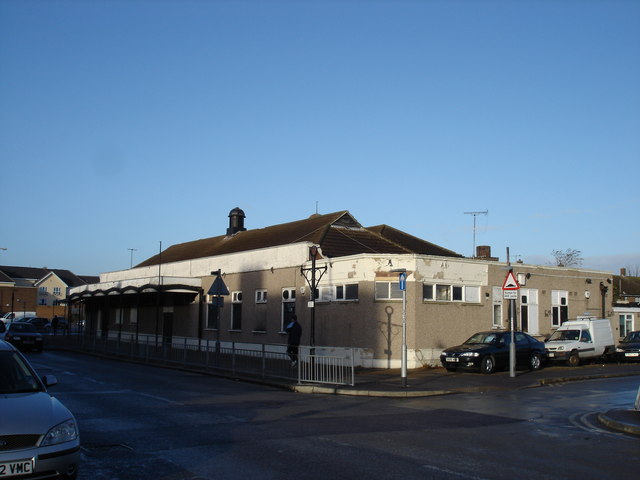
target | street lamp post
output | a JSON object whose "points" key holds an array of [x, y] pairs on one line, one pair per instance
{"points": [[313, 280]]}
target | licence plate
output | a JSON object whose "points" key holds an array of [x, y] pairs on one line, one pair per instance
{"points": [[21, 467], [451, 359], [634, 354], [551, 354]]}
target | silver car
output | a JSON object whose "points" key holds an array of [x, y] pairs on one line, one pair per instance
{"points": [[38, 436]]}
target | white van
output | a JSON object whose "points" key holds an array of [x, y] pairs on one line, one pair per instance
{"points": [[16, 316], [581, 339]]}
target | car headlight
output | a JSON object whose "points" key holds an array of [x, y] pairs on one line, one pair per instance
{"points": [[470, 354], [560, 347], [63, 432], [619, 350]]}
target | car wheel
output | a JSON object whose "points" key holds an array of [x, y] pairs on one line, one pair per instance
{"points": [[487, 365], [574, 359], [535, 362]]}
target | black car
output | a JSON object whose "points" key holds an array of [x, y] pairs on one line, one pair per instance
{"points": [[22, 335], [629, 347], [488, 351], [42, 324]]}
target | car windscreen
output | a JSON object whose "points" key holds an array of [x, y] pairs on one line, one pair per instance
{"points": [[632, 337], [564, 335], [15, 375], [483, 338], [22, 328]]}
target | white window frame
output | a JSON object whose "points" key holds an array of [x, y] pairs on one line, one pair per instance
{"points": [[393, 291], [288, 295], [261, 295], [236, 303], [336, 293], [345, 287], [557, 298], [444, 292], [496, 310], [625, 322]]}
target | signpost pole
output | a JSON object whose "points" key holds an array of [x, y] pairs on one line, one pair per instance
{"points": [[402, 280], [510, 289]]}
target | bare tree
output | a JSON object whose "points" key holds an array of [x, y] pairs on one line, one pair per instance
{"points": [[633, 271], [567, 258]]}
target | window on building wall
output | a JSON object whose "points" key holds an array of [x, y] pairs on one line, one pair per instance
{"points": [[56, 291], [626, 324], [559, 307], [236, 310], [288, 306], [348, 291], [388, 291], [450, 293], [339, 293], [213, 311], [261, 295], [42, 290], [497, 307]]}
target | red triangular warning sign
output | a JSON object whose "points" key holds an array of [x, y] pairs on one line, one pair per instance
{"points": [[510, 282]]}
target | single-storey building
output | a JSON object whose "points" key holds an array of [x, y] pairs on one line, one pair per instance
{"points": [[358, 299]]}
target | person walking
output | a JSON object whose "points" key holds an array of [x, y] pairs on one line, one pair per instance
{"points": [[294, 330]]}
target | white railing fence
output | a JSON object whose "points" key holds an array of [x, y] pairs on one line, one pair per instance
{"points": [[316, 365]]}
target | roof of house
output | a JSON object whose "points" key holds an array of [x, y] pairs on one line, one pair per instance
{"points": [[29, 276], [338, 234], [627, 286]]}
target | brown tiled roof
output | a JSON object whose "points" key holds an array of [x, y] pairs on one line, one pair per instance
{"points": [[415, 244], [338, 234], [27, 276], [627, 285]]}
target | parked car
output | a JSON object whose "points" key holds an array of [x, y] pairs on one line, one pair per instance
{"points": [[38, 436], [42, 324], [16, 316], [586, 338], [629, 347], [23, 335], [488, 351]]}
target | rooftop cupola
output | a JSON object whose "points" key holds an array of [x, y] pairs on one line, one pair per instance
{"points": [[236, 221]]}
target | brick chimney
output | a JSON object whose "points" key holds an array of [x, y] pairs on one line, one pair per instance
{"points": [[484, 252]]}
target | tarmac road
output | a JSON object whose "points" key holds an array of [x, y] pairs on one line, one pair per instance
{"points": [[140, 422]]}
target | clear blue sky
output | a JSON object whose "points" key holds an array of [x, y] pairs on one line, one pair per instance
{"points": [[124, 124]]}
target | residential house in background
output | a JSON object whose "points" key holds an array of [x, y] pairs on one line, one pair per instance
{"points": [[357, 302], [41, 290], [626, 306]]}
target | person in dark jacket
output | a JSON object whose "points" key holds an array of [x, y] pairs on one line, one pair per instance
{"points": [[293, 343]]}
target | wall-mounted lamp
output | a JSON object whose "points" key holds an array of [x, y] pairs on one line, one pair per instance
{"points": [[389, 263], [588, 280]]}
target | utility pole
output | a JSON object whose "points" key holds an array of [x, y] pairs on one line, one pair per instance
{"points": [[475, 214]]}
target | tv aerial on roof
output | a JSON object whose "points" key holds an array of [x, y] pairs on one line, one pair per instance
{"points": [[475, 214]]}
